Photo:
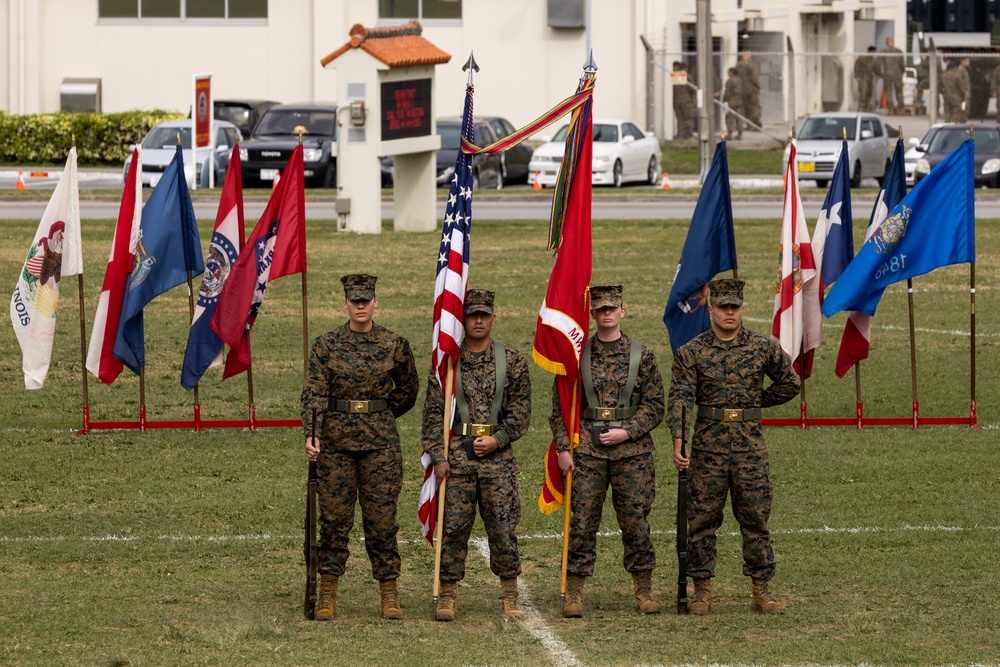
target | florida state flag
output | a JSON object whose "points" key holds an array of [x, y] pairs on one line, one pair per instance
{"points": [[564, 317]]}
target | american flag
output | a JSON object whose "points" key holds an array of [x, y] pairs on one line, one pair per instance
{"points": [[449, 294]]}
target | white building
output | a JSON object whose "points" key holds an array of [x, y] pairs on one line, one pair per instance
{"points": [[531, 52]]}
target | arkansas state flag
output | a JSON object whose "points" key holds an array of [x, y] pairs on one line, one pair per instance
{"points": [[100, 354], [276, 248], [167, 253], [55, 251], [563, 320], [204, 347], [791, 309]]}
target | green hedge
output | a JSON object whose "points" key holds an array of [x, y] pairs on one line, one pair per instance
{"points": [[102, 139]]}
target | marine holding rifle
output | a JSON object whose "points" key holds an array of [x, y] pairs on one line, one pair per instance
{"points": [[722, 371], [361, 377], [623, 403], [492, 410]]}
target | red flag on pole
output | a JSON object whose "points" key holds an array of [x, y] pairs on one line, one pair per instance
{"points": [[564, 317], [276, 248]]}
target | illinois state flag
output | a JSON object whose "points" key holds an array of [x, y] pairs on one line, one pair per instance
{"points": [[276, 248], [167, 252], [791, 309], [710, 248], [100, 354], [204, 347], [563, 320], [934, 225], [55, 251]]}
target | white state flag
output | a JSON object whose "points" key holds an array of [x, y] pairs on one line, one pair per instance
{"points": [[56, 251]]}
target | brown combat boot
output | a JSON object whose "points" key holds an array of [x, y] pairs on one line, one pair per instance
{"points": [[445, 610], [390, 599], [701, 601], [644, 602], [763, 602], [510, 608], [326, 608], [573, 606]]}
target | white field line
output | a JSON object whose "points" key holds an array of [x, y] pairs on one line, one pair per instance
{"points": [[558, 651], [266, 537], [893, 327]]}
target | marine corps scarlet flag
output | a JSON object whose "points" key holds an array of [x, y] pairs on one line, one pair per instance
{"points": [[564, 317], [276, 248]]}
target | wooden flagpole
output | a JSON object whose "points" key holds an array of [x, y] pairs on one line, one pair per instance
{"points": [[567, 509], [83, 355], [859, 405], [197, 400], [913, 355], [972, 327], [449, 391]]}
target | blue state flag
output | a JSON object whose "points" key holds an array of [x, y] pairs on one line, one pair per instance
{"points": [[934, 225], [835, 227], [167, 251], [710, 248]]}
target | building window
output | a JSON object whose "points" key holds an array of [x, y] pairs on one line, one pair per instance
{"points": [[182, 9], [420, 9]]}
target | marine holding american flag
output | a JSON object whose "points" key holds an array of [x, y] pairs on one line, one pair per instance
{"points": [[493, 399], [361, 378]]}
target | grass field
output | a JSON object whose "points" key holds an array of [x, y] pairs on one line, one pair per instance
{"points": [[181, 548]]}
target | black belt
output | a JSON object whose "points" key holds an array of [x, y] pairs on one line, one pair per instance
{"points": [[608, 414], [729, 414], [474, 430], [359, 407]]}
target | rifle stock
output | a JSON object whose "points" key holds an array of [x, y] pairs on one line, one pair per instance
{"points": [[682, 525], [310, 539]]}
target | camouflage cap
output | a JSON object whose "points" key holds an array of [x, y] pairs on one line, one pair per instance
{"points": [[478, 301], [726, 292], [605, 296], [359, 286]]}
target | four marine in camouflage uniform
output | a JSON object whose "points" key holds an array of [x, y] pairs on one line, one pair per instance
{"points": [[361, 377], [493, 409], [722, 371], [623, 403]]}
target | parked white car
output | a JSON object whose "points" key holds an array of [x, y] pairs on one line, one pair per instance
{"points": [[821, 137], [622, 153], [160, 144], [916, 152]]}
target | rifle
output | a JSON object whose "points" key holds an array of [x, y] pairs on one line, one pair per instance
{"points": [[310, 541], [682, 524]]}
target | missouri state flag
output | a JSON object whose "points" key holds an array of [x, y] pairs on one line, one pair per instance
{"points": [[204, 347], [933, 226]]}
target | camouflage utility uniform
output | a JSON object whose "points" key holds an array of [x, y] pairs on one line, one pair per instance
{"points": [[729, 456], [360, 457], [491, 481], [627, 467], [750, 88], [893, 68], [733, 96], [866, 70]]}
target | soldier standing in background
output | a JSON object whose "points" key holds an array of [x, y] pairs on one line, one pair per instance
{"points": [[994, 81], [361, 377], [493, 399], [893, 66], [733, 97], [722, 371], [623, 403], [866, 70], [957, 91], [750, 85], [685, 103]]}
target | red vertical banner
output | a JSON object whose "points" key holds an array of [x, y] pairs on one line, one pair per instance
{"points": [[201, 110]]}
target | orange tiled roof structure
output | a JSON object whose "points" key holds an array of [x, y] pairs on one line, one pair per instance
{"points": [[396, 46]]}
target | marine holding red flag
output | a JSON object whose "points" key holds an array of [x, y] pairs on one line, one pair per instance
{"points": [[276, 248]]}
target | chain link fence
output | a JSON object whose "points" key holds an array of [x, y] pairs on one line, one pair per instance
{"points": [[761, 96]]}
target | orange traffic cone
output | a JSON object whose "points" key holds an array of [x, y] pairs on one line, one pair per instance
{"points": [[666, 181], [537, 185], [277, 177], [20, 180]]}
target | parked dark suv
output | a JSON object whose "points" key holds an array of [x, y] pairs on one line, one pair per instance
{"points": [[244, 114], [273, 140]]}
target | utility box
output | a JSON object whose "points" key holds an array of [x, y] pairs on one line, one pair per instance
{"points": [[385, 84], [80, 95]]}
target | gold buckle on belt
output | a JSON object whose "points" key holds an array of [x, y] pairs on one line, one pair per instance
{"points": [[358, 406], [480, 430], [732, 415], [606, 414]]}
